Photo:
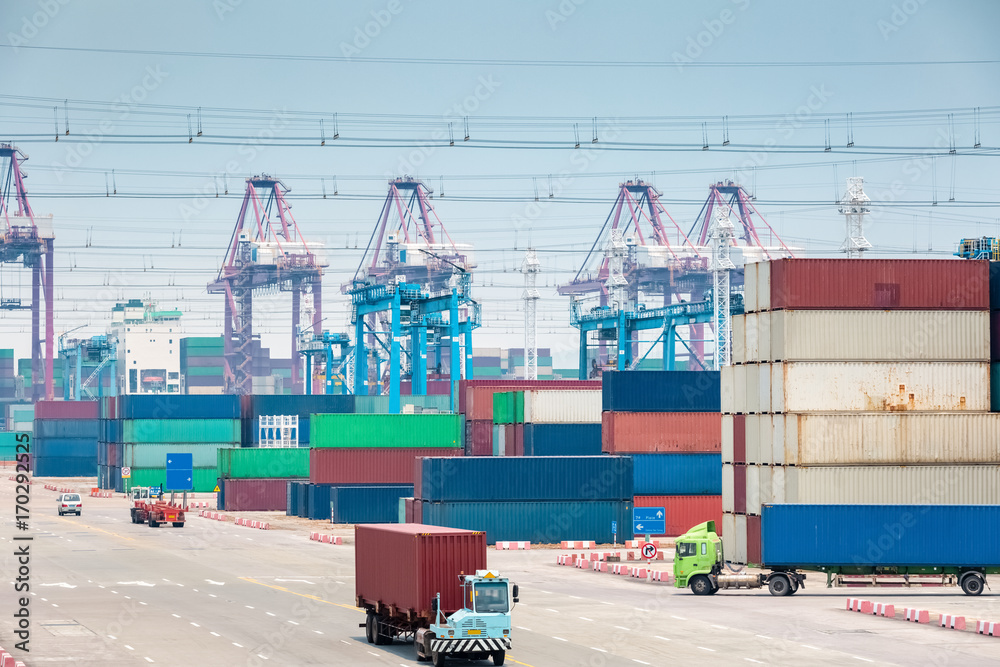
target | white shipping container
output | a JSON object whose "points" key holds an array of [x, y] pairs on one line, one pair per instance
{"points": [[740, 389], [764, 286], [728, 389], [777, 483], [765, 430], [728, 446], [740, 555], [571, 406], [778, 439], [752, 338], [753, 489], [753, 405], [762, 487], [739, 349], [763, 388], [728, 488], [888, 485], [753, 438], [810, 386], [750, 288], [729, 536], [878, 335], [764, 336], [890, 438]]}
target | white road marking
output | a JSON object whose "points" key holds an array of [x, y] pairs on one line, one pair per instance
{"points": [[546, 592], [214, 634], [264, 657], [576, 597], [99, 586], [621, 627], [292, 622], [216, 583], [666, 639], [594, 648], [858, 657], [135, 583], [115, 592], [112, 637], [167, 580], [248, 606], [752, 660], [679, 618], [61, 585], [720, 627], [149, 660], [129, 647], [762, 636], [45, 599], [641, 662], [142, 603], [559, 639], [584, 618], [175, 615], [269, 613], [212, 595], [343, 641], [812, 647], [54, 604], [554, 611], [521, 627], [301, 581], [707, 649], [195, 590], [238, 645], [195, 624], [319, 633], [372, 653], [128, 597]]}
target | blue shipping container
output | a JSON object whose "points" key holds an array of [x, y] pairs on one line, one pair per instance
{"points": [[302, 405], [904, 535], [292, 499], [65, 466], [677, 474], [562, 439], [367, 504], [72, 447], [67, 428], [661, 391], [179, 406], [539, 522], [303, 501], [528, 478], [220, 497]]}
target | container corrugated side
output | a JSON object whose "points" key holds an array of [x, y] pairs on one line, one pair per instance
{"points": [[661, 391], [890, 438], [379, 405], [683, 512], [677, 474], [368, 466], [562, 439], [528, 478], [859, 335], [204, 479], [728, 446], [404, 566], [179, 406], [727, 389], [728, 487], [64, 466], [59, 447], [66, 410], [750, 287], [879, 284], [302, 405], [203, 455], [255, 495], [740, 488], [367, 504], [570, 406], [262, 463], [728, 535], [899, 534], [423, 430], [479, 438], [649, 432], [879, 387], [67, 428], [503, 407], [544, 522], [945, 485], [753, 540], [739, 338], [140, 431]]}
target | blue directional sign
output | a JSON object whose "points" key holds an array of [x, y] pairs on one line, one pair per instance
{"points": [[649, 521], [180, 472], [614, 527]]}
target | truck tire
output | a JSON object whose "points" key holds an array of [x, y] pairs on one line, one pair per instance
{"points": [[779, 585], [381, 636], [794, 586], [499, 657], [701, 585], [972, 584], [437, 659], [132, 513], [152, 522], [370, 628]]}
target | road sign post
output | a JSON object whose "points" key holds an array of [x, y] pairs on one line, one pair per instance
{"points": [[180, 472], [649, 521], [614, 532], [649, 551], [126, 472]]}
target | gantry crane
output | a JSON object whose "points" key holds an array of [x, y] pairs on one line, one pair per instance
{"points": [[29, 241], [267, 253]]}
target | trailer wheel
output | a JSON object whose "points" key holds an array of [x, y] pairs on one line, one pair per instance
{"points": [[132, 513], [382, 637], [499, 657], [701, 585], [972, 584], [153, 523], [779, 585], [370, 628], [437, 659]]}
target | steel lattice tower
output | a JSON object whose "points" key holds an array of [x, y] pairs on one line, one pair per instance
{"points": [[854, 206], [530, 267]]}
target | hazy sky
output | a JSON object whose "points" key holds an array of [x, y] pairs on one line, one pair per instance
{"points": [[125, 245]]}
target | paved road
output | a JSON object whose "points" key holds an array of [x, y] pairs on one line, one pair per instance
{"points": [[105, 591]]}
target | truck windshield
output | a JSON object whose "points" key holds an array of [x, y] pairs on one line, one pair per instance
{"points": [[492, 598], [686, 549]]}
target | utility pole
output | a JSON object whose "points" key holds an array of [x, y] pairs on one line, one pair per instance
{"points": [[722, 264]]}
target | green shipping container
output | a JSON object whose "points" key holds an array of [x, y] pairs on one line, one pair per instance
{"points": [[204, 370], [261, 463], [421, 430], [379, 405], [7, 353], [193, 342], [181, 430], [8, 445], [488, 372], [154, 455], [204, 479], [508, 407]]}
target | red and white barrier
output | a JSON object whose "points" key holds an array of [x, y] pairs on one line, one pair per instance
{"points": [[990, 628], [635, 544], [577, 544], [101, 494], [858, 605], [599, 566], [513, 546], [249, 523], [887, 610], [619, 569], [952, 622], [917, 615], [664, 577], [582, 564], [214, 516], [564, 560], [325, 539], [638, 572]]}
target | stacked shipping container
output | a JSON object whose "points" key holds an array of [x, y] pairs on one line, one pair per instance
{"points": [[857, 382], [65, 443], [203, 365], [254, 479], [670, 424], [551, 422]]}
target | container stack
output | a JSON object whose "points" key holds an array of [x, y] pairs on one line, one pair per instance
{"points": [[360, 465], [551, 422], [24, 371], [203, 365], [857, 382], [65, 443], [256, 479], [670, 423], [20, 417], [541, 499], [995, 336], [8, 379], [145, 428], [302, 406]]}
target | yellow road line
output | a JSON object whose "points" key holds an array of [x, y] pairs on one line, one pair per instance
{"points": [[88, 527], [302, 595], [518, 662]]}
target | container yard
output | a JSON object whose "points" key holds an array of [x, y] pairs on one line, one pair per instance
{"points": [[563, 356]]}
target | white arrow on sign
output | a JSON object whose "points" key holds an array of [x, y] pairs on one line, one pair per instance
{"points": [[659, 515], [639, 526]]}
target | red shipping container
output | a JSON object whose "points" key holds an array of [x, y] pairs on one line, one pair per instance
{"points": [[684, 512], [651, 432], [418, 510], [434, 387], [66, 410], [879, 284], [384, 465], [739, 438], [408, 510], [753, 540], [256, 495], [466, 387], [404, 566], [479, 438], [740, 488]]}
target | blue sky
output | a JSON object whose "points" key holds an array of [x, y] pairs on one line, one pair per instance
{"points": [[130, 249]]}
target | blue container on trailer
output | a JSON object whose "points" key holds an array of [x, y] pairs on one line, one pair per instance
{"points": [[677, 474], [367, 504], [562, 439], [60, 447], [67, 428], [528, 478], [65, 466], [661, 391], [179, 406], [302, 405], [905, 535], [544, 522]]}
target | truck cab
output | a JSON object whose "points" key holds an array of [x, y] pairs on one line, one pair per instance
{"points": [[698, 553]]}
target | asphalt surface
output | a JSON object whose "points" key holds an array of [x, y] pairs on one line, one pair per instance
{"points": [[107, 592]]}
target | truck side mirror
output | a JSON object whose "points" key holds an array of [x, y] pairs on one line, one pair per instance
{"points": [[514, 593], [434, 605]]}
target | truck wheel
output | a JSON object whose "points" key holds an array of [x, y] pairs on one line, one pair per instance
{"points": [[153, 523], [701, 585], [794, 586], [437, 659], [499, 657], [779, 586], [972, 584], [132, 514], [382, 636], [370, 628]]}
